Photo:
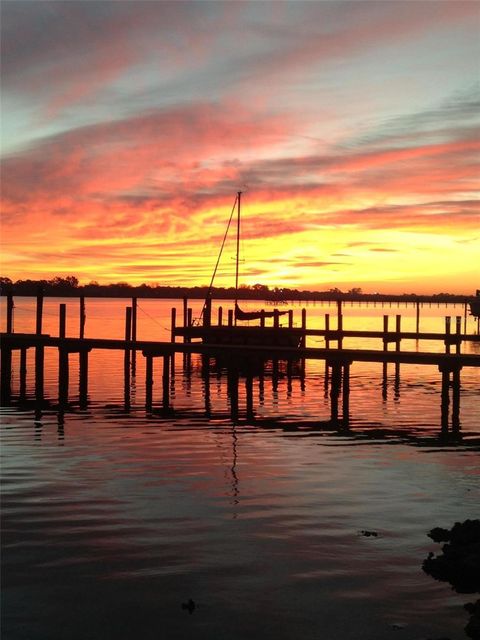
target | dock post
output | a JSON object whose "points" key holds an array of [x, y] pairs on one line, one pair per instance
{"points": [[261, 384], [230, 317], [39, 350], [189, 323], [206, 384], [62, 319], [447, 333], [456, 399], [417, 324], [6, 381], [134, 331], [63, 375], [458, 331], [262, 318], [148, 382], [385, 333], [23, 372], [207, 313], [10, 307], [302, 374], [339, 323], [276, 318], [220, 316], [445, 400], [166, 383], [126, 360], [304, 329], [385, 364], [289, 377], [83, 317], [38, 324], [346, 394], [62, 358], [134, 337], [185, 315], [327, 331], [465, 309], [335, 390], [275, 374], [83, 387], [39, 372], [398, 321], [326, 378], [173, 324], [290, 318]]}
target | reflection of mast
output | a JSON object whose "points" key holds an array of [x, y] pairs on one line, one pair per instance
{"points": [[233, 469]]}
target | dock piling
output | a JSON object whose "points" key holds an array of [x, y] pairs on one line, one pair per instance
{"points": [[207, 313], [39, 373], [339, 323], [10, 307], [166, 383], [398, 331], [304, 328], [23, 373], [445, 400], [346, 394], [83, 318], [6, 378], [126, 359], [62, 318], [83, 371], [173, 324], [39, 314], [335, 391], [456, 399], [148, 382], [447, 333], [63, 375], [458, 331], [276, 318]]}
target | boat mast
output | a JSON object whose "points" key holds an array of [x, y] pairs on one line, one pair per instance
{"points": [[239, 194]]}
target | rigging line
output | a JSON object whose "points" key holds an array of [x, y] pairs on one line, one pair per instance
{"points": [[151, 317], [219, 256]]}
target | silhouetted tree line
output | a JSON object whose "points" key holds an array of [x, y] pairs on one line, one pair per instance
{"points": [[69, 286]]}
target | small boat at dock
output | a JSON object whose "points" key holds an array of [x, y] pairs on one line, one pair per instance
{"points": [[475, 305], [235, 332]]}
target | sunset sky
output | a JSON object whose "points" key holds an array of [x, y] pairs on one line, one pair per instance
{"points": [[351, 127]]}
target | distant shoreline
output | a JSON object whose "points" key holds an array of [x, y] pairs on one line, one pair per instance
{"points": [[199, 293]]}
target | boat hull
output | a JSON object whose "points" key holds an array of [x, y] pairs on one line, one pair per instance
{"points": [[475, 308], [253, 336]]}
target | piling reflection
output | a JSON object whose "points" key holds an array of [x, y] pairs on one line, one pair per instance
{"points": [[248, 372]]}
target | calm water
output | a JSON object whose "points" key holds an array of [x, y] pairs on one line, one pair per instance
{"points": [[112, 519]]}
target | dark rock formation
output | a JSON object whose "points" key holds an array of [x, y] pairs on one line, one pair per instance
{"points": [[459, 564]]}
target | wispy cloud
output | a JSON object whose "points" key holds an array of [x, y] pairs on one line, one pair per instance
{"points": [[130, 126]]}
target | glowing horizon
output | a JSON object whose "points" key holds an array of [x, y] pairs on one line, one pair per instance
{"points": [[351, 128]]}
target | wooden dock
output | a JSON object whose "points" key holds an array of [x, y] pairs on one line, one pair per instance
{"points": [[238, 360], [246, 358]]}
